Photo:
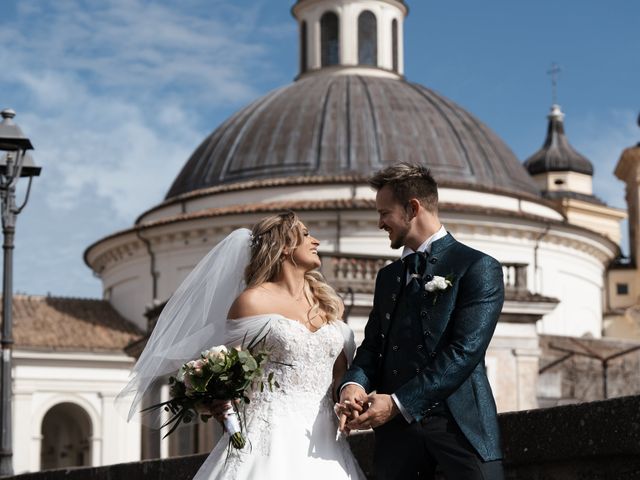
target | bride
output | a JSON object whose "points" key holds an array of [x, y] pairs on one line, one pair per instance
{"points": [[266, 277]]}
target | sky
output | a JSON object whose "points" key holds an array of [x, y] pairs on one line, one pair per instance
{"points": [[115, 95]]}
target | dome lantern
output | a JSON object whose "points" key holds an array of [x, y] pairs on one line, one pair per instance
{"points": [[356, 36], [557, 167]]}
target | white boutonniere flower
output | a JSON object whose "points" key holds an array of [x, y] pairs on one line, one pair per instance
{"points": [[438, 284]]}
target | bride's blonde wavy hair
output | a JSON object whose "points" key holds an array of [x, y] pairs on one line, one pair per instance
{"points": [[271, 237]]}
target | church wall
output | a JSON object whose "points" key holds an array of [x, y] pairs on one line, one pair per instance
{"points": [[512, 366], [128, 287], [90, 381], [604, 220], [577, 280], [626, 277], [562, 263], [565, 181]]}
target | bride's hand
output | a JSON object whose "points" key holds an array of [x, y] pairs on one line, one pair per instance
{"points": [[353, 402], [218, 409]]}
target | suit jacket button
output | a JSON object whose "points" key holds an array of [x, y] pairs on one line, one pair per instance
{"points": [[395, 372], [395, 348], [433, 260]]}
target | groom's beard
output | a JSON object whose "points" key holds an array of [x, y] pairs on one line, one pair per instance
{"points": [[399, 235]]}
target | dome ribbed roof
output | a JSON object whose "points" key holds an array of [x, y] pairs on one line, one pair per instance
{"points": [[557, 154], [329, 125]]}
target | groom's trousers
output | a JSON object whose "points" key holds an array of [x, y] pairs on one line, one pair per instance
{"points": [[413, 451]]}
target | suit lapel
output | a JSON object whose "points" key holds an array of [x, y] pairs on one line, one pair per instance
{"points": [[436, 303]]}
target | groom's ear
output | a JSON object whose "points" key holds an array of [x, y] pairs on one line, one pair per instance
{"points": [[413, 207]]}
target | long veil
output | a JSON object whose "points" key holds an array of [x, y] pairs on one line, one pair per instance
{"points": [[194, 318]]}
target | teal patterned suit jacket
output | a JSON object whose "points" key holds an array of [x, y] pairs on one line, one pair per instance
{"points": [[457, 326]]}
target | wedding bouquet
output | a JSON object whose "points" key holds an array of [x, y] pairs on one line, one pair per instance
{"points": [[219, 374]]}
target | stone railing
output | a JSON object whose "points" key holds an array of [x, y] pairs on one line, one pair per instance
{"points": [[587, 441], [515, 277], [357, 273]]}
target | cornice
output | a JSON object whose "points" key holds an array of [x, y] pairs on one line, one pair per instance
{"points": [[173, 232], [303, 4], [356, 180]]}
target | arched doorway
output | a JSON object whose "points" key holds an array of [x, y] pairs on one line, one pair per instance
{"points": [[66, 437]]}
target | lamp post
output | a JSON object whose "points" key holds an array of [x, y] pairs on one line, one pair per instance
{"points": [[15, 162]]}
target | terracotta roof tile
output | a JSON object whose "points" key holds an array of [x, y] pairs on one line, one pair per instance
{"points": [[56, 323]]}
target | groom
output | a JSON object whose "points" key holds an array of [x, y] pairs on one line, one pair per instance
{"points": [[434, 313]]}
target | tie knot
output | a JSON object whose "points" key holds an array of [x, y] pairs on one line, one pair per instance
{"points": [[416, 263]]}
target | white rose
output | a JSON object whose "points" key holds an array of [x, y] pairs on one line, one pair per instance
{"points": [[440, 282], [430, 286], [215, 353]]}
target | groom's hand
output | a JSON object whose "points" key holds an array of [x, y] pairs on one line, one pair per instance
{"points": [[381, 409]]}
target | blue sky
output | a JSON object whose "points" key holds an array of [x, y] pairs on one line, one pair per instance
{"points": [[116, 94]]}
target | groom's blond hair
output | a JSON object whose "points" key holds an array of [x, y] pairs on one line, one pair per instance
{"points": [[407, 181]]}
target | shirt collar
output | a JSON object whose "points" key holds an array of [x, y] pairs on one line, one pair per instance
{"points": [[426, 246]]}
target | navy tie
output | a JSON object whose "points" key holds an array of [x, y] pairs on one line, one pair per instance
{"points": [[416, 265]]}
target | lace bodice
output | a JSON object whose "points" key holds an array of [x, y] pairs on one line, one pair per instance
{"points": [[308, 358], [291, 431]]}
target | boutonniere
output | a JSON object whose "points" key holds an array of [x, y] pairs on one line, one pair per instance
{"points": [[438, 284]]}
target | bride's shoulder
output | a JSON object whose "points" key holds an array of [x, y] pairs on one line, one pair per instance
{"points": [[250, 302]]}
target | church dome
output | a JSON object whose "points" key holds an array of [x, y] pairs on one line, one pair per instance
{"points": [[330, 125]]}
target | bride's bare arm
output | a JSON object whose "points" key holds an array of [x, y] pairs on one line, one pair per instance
{"points": [[339, 369], [250, 302]]}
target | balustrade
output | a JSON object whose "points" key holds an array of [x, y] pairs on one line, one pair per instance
{"points": [[357, 273]]}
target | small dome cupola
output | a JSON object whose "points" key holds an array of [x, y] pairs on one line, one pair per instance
{"points": [[557, 166], [351, 36]]}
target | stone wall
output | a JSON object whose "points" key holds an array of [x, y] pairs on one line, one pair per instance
{"points": [[587, 441]]}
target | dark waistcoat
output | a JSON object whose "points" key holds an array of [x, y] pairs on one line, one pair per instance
{"points": [[405, 353]]}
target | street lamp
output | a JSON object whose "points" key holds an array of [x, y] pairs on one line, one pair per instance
{"points": [[15, 162]]}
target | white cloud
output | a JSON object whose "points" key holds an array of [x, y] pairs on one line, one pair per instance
{"points": [[113, 90], [114, 96]]}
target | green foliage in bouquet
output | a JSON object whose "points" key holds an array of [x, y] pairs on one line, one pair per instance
{"points": [[219, 374]]}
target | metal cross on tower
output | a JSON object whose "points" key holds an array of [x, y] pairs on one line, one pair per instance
{"points": [[554, 71]]}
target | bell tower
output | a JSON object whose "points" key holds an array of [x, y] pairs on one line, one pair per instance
{"points": [[351, 36]]}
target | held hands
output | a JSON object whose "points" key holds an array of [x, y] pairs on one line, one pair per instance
{"points": [[359, 411], [353, 402]]}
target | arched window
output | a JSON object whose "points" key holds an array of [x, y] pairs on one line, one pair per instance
{"points": [[66, 437], [367, 39], [394, 46], [329, 39], [303, 47]]}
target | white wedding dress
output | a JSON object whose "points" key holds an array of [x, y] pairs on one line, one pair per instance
{"points": [[291, 431]]}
